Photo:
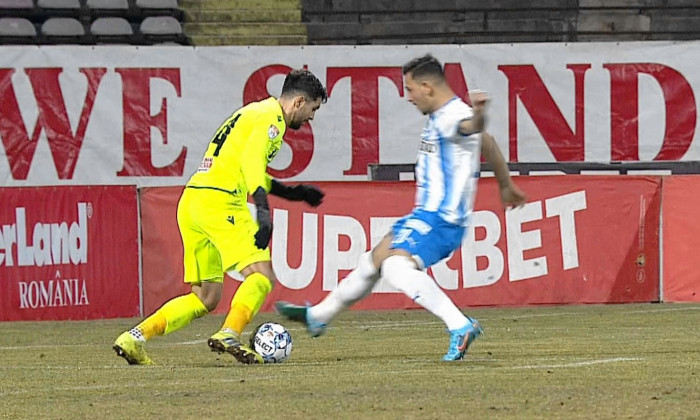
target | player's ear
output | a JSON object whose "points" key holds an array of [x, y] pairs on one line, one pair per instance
{"points": [[299, 101], [428, 88]]}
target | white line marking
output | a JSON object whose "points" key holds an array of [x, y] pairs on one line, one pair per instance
{"points": [[577, 364], [283, 376]]}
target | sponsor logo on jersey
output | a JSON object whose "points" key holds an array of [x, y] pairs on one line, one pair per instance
{"points": [[273, 132], [427, 147], [206, 164]]}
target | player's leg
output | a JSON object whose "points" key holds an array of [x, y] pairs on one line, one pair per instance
{"points": [[206, 293], [401, 272], [421, 241], [354, 287], [202, 270], [173, 315], [251, 294], [238, 252], [246, 302]]}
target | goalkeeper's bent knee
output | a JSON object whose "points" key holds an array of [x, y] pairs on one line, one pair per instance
{"points": [[252, 292], [182, 310]]}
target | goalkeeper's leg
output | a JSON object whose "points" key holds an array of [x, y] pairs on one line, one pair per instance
{"points": [[246, 302], [173, 315]]}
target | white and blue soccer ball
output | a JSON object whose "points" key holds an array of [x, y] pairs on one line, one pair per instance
{"points": [[273, 342]]}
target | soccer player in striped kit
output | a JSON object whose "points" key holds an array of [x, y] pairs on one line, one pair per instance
{"points": [[447, 171]]}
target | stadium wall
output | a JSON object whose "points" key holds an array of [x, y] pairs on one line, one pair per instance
{"points": [[76, 121]]}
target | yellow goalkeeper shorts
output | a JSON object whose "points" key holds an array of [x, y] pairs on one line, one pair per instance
{"points": [[218, 234]]}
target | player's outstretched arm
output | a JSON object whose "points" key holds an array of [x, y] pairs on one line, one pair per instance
{"points": [[477, 122], [511, 195], [299, 192]]}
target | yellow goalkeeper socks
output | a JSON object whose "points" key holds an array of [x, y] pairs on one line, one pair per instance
{"points": [[153, 325], [247, 302], [175, 314]]}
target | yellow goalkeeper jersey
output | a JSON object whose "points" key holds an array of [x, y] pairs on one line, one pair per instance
{"points": [[237, 157]]}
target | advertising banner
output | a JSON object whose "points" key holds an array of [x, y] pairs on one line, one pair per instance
{"points": [[579, 239], [68, 253], [91, 115], [681, 239]]}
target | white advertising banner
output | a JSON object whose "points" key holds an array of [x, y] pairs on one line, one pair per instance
{"points": [[144, 115]]}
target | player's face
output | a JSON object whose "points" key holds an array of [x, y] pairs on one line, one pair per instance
{"points": [[418, 93], [304, 110]]}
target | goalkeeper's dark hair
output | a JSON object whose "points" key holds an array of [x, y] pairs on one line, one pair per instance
{"points": [[304, 82], [425, 66]]}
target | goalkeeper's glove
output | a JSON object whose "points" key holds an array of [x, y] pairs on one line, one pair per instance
{"points": [[264, 233], [300, 192]]}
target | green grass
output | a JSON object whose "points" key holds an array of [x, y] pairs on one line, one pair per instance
{"points": [[570, 362]]}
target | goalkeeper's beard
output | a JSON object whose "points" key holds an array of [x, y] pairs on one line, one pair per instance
{"points": [[296, 124]]}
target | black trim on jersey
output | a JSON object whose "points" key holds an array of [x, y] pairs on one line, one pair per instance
{"points": [[197, 187]]}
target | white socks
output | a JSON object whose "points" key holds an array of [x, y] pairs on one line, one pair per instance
{"points": [[400, 272], [352, 288]]}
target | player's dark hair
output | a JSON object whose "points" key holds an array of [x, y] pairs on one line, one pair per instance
{"points": [[304, 82], [425, 66]]}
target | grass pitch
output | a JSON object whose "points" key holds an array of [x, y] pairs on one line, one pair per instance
{"points": [[569, 362]]}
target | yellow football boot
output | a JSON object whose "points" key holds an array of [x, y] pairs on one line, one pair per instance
{"points": [[131, 349], [224, 340], [246, 355], [227, 341]]}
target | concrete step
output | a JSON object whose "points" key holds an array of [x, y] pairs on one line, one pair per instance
{"points": [[239, 4], [244, 28], [244, 22], [215, 40], [243, 15]]}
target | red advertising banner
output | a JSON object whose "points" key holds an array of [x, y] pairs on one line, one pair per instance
{"points": [[68, 253], [681, 239], [146, 116], [579, 239]]}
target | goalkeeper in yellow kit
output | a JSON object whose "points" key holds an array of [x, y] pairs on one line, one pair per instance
{"points": [[219, 233]]}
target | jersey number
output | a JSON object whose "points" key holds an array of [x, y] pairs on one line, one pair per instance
{"points": [[222, 134]]}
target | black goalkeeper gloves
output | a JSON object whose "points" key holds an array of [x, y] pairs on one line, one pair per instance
{"points": [[308, 193], [264, 233], [300, 192]]}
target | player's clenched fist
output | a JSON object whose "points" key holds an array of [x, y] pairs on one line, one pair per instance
{"points": [[309, 194], [300, 192]]}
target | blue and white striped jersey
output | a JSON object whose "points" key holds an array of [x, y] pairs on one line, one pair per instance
{"points": [[448, 164]]}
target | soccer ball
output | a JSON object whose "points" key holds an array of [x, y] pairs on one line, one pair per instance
{"points": [[272, 341]]}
